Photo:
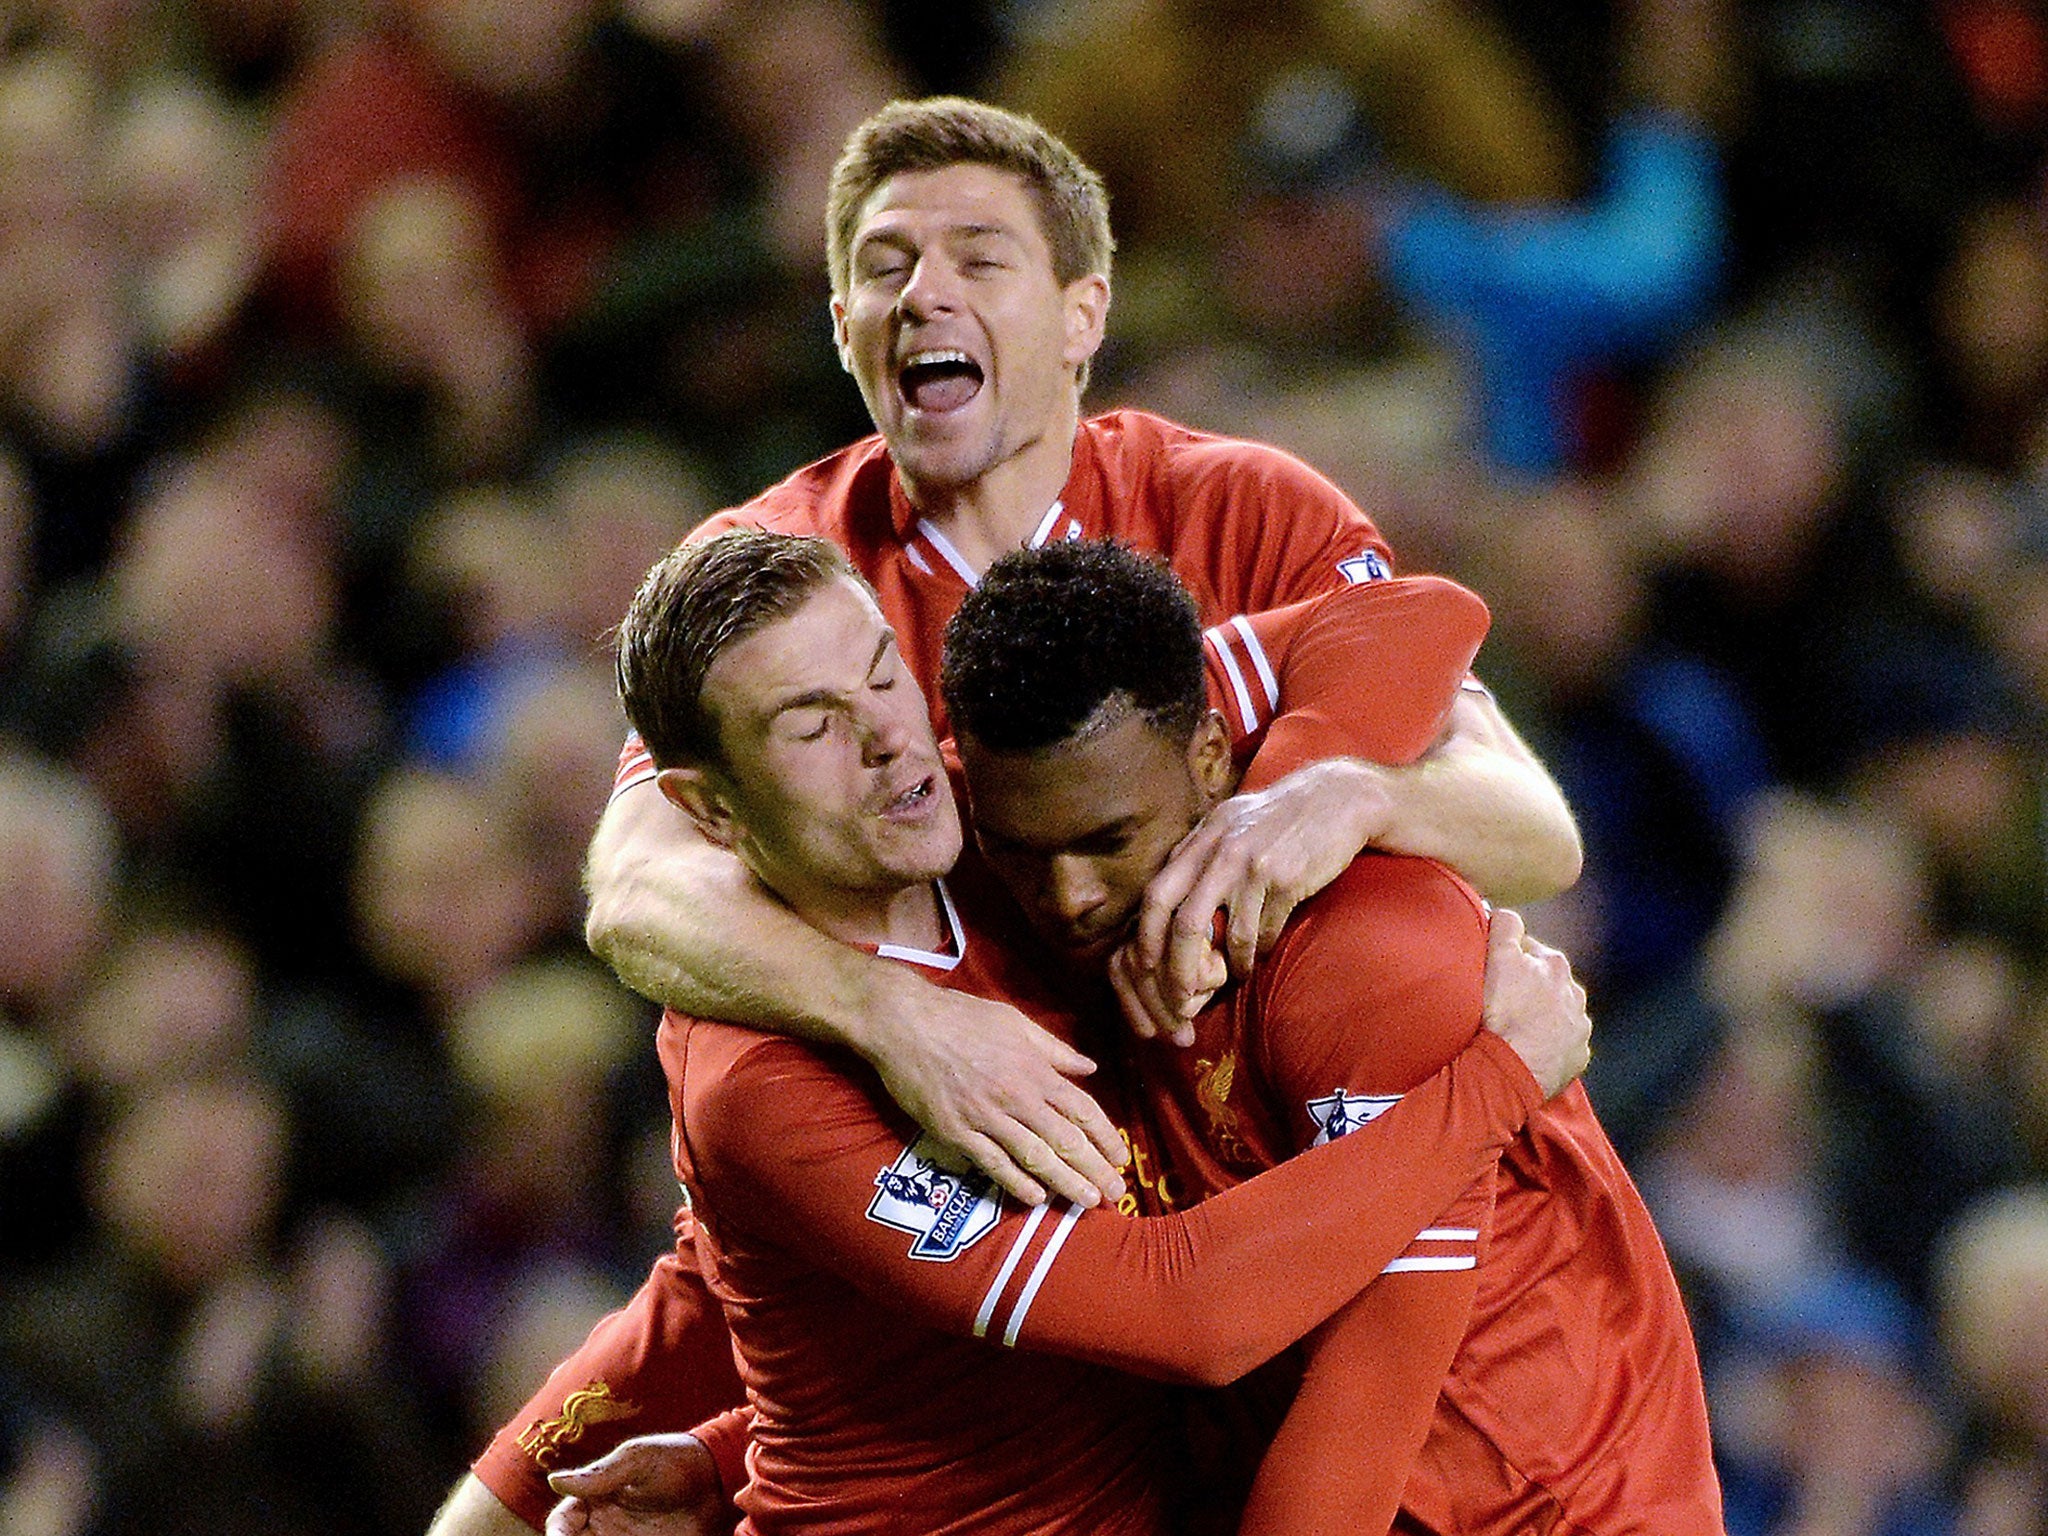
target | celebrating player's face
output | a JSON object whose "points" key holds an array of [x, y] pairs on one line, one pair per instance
{"points": [[1077, 831], [834, 783], [964, 343]]}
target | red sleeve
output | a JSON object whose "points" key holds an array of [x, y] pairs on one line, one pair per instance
{"points": [[661, 1363], [1367, 671], [726, 1438], [1376, 983], [780, 1130], [1257, 528], [1368, 1394]]}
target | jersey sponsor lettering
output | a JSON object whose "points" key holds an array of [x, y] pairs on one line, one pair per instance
{"points": [[1338, 1114], [945, 1205]]}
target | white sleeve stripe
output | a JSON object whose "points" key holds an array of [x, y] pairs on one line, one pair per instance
{"points": [[1408, 1266], [1010, 1263], [1246, 712], [1260, 664], [1038, 1272], [1447, 1235]]}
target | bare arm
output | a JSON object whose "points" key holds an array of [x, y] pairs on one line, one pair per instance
{"points": [[683, 923], [473, 1510], [1478, 801], [1481, 802]]}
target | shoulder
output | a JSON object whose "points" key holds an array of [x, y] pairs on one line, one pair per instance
{"points": [[830, 497], [726, 1074], [1385, 926], [1380, 971], [1141, 444]]}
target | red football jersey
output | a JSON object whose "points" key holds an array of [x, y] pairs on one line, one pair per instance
{"points": [[865, 1277], [1245, 526], [1368, 669], [1574, 1400]]}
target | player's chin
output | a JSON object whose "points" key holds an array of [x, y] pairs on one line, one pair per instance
{"points": [[1087, 949]]}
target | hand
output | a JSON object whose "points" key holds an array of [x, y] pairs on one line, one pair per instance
{"points": [[1256, 857], [982, 1077], [1532, 1001], [652, 1485]]}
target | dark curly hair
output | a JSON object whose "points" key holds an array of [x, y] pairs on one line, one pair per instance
{"points": [[1051, 635]]}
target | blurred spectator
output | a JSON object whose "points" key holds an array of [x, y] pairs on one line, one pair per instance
{"points": [[202, 1351], [1839, 1430], [1655, 747], [1549, 299], [58, 871], [72, 388], [356, 359], [1991, 1283], [549, 779], [625, 499], [495, 561], [525, 1225], [444, 897], [1825, 942]]}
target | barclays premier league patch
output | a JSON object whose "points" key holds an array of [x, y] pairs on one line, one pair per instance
{"points": [[1366, 567], [942, 1203], [1339, 1114]]}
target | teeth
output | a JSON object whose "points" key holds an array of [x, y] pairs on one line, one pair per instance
{"points": [[930, 359]]}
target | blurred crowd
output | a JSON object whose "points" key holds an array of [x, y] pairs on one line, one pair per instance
{"points": [[357, 356]]}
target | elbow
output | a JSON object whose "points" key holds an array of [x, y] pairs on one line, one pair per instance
{"points": [[1545, 865], [1215, 1348], [603, 924], [606, 895], [1567, 858]]}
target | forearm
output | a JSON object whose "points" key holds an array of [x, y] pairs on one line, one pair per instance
{"points": [[1483, 804], [1343, 1454], [682, 922], [1167, 1296], [473, 1510]]}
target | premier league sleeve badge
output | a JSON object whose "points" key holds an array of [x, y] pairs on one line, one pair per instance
{"points": [[942, 1202]]}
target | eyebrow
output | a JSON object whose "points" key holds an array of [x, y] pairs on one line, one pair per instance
{"points": [[1026, 844], [896, 240], [812, 697]]}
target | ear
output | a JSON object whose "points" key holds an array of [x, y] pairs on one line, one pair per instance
{"points": [[1087, 309], [838, 309], [1209, 758], [693, 792]]}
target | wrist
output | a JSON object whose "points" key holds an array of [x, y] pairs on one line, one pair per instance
{"points": [[1367, 798], [873, 1006]]}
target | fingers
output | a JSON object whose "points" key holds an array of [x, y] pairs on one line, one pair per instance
{"points": [[1166, 895], [1507, 931], [1067, 1148], [607, 1475], [571, 1517], [1128, 983], [987, 1155], [1143, 1001], [1088, 1117]]}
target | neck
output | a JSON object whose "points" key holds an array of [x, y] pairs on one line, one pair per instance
{"points": [[909, 918], [1001, 508]]}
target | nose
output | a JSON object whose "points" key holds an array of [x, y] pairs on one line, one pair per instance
{"points": [[1072, 888], [929, 290], [884, 735]]}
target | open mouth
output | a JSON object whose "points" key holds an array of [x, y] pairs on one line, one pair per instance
{"points": [[911, 801], [939, 381]]}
